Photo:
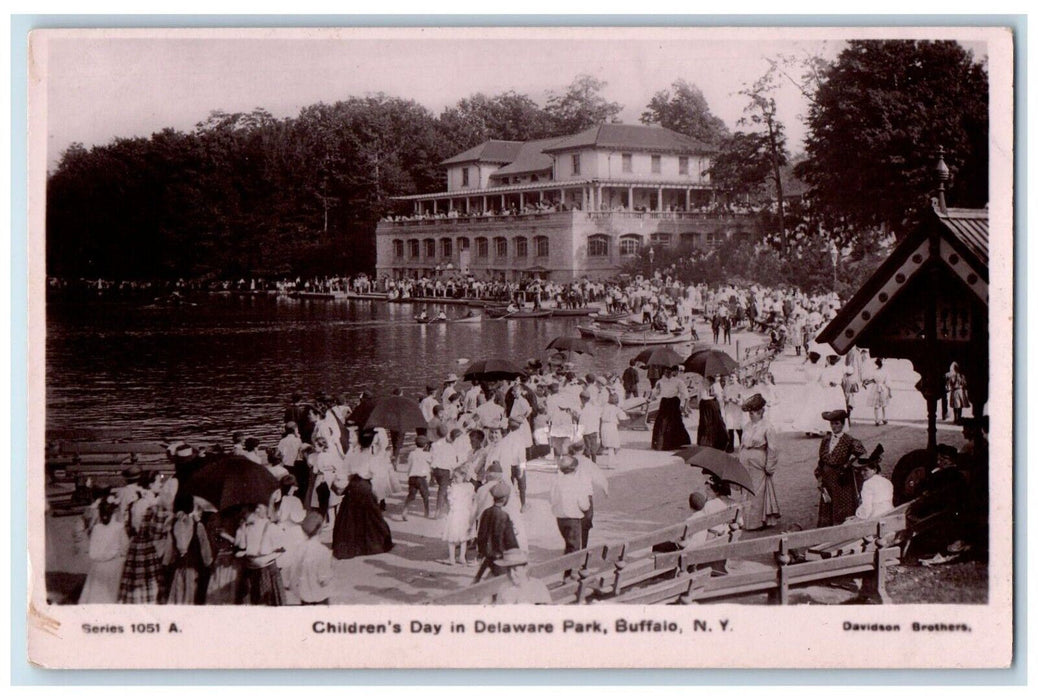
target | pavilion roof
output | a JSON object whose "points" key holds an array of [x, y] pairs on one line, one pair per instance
{"points": [[962, 249]]}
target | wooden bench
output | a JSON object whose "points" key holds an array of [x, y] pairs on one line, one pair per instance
{"points": [[756, 362], [629, 571], [866, 548], [77, 469]]}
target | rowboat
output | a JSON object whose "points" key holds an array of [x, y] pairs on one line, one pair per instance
{"points": [[521, 313], [476, 318], [425, 321], [583, 311], [654, 337], [610, 318]]}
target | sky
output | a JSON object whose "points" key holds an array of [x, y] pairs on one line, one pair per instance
{"points": [[99, 88]]}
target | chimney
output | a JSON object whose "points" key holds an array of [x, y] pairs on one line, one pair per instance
{"points": [[943, 174]]}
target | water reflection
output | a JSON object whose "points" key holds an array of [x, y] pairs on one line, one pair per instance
{"points": [[231, 363]]}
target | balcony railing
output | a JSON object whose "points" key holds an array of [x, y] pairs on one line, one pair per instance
{"points": [[511, 219]]}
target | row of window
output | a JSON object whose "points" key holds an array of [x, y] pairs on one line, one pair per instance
{"points": [[627, 164], [598, 245], [446, 245]]}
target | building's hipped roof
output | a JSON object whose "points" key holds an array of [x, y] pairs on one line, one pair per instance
{"points": [[963, 249], [531, 158], [492, 151], [635, 137]]}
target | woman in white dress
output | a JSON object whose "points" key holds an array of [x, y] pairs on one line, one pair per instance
{"points": [[808, 421], [833, 398], [108, 546]]}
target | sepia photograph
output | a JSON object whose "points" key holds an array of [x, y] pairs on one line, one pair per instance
{"points": [[388, 325]]}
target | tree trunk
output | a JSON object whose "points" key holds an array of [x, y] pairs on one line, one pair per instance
{"points": [[777, 174]]}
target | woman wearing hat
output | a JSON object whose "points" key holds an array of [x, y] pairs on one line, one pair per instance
{"points": [[359, 526], [838, 484], [668, 431], [759, 455]]}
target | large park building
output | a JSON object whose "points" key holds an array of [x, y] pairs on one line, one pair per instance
{"points": [[560, 208]]}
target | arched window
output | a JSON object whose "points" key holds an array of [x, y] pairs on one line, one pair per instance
{"points": [[598, 246], [398, 248], [501, 247], [446, 247], [463, 243], [414, 248], [430, 247], [541, 244], [482, 248], [661, 239], [522, 248], [630, 244]]}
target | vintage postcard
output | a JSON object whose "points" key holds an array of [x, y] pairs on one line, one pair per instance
{"points": [[521, 347]]}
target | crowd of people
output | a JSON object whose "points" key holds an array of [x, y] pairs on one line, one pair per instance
{"points": [[151, 541]]}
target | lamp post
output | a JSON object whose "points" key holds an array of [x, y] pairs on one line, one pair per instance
{"points": [[652, 257]]}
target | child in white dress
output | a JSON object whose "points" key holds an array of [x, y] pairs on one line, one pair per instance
{"points": [[461, 498], [612, 414]]}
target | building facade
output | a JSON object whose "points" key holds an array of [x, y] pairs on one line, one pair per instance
{"points": [[561, 208]]}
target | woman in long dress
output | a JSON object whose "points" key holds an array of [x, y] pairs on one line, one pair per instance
{"points": [[759, 454], [812, 399], [712, 431], [360, 528], [107, 551], [668, 431], [839, 485], [879, 392], [191, 553], [144, 576]]}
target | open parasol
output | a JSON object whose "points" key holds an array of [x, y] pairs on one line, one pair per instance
{"points": [[493, 370], [658, 357], [710, 363], [232, 481], [569, 343], [719, 463], [394, 413]]}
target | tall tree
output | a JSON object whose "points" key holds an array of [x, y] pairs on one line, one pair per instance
{"points": [[581, 106], [880, 112], [685, 111], [762, 112], [742, 164], [509, 116]]}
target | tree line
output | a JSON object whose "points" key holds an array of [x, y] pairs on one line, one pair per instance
{"points": [[251, 195]]}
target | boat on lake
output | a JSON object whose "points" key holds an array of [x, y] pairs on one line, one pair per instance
{"points": [[582, 311]]}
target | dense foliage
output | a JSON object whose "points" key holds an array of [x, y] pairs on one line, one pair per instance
{"points": [[877, 118], [247, 194], [685, 110]]}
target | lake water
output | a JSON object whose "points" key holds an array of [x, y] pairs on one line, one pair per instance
{"points": [[230, 363]]}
